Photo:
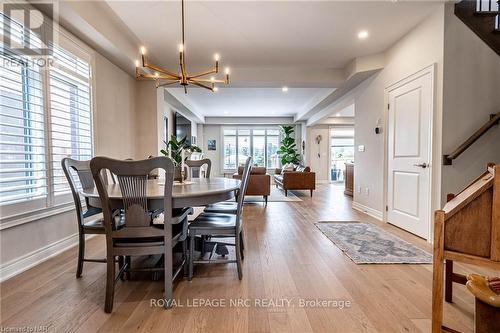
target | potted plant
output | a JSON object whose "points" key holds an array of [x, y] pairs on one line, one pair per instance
{"points": [[174, 151], [288, 150]]}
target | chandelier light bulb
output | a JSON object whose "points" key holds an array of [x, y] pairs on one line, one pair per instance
{"points": [[217, 57], [212, 79], [363, 34], [284, 89], [181, 47], [216, 89], [137, 63], [143, 50], [227, 70], [156, 74]]}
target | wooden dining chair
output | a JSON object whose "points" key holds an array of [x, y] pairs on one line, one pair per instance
{"points": [[195, 167], [221, 225], [88, 222], [139, 236]]}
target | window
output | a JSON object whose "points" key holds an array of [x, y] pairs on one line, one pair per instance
{"points": [[260, 143], [45, 115]]}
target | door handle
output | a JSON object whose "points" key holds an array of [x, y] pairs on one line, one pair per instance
{"points": [[422, 165]]}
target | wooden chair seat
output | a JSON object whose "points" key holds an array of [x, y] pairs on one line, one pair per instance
{"points": [[222, 208], [91, 211], [95, 224], [214, 222]]}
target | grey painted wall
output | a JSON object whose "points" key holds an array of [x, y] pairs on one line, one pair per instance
{"points": [[471, 94]]}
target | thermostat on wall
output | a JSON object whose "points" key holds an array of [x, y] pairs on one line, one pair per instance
{"points": [[361, 148]]}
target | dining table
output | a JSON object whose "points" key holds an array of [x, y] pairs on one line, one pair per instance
{"points": [[190, 193]]}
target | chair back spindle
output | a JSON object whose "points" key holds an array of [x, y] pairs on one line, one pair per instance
{"points": [[135, 203]]}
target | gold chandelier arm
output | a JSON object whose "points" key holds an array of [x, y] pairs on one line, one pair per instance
{"points": [[159, 77], [163, 71], [168, 83], [201, 85], [206, 81], [213, 71]]}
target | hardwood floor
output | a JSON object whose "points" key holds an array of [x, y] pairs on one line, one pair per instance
{"points": [[286, 257]]}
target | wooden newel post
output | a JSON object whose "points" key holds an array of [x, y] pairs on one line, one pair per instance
{"points": [[438, 272]]}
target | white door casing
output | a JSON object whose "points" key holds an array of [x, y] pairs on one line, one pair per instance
{"points": [[409, 153]]}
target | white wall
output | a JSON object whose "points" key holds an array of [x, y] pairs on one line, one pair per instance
{"points": [[318, 154], [146, 119], [114, 115], [114, 120], [421, 47], [471, 94], [213, 132]]}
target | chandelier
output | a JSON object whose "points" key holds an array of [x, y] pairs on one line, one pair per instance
{"points": [[164, 77]]}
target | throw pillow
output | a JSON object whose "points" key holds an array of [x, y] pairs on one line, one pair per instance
{"points": [[287, 167]]}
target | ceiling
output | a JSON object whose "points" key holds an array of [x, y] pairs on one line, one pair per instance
{"points": [[298, 34], [253, 102], [289, 43]]}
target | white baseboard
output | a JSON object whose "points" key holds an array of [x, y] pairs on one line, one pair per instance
{"points": [[27, 261], [368, 211]]}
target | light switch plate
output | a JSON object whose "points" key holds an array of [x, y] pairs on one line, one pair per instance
{"points": [[361, 148]]}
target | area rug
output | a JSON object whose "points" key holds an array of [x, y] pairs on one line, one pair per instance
{"points": [[365, 243], [276, 195]]}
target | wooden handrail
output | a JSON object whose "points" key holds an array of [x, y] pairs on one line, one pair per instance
{"points": [[494, 120]]}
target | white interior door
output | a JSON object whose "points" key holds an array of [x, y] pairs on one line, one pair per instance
{"points": [[409, 154]]}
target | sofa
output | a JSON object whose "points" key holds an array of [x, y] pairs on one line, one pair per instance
{"points": [[300, 178], [259, 182]]}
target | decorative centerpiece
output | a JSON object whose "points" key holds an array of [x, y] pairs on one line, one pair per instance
{"points": [[176, 151]]}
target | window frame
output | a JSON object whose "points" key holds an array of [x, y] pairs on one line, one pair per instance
{"points": [[18, 213], [251, 130]]}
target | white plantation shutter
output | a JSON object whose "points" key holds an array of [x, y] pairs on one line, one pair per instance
{"points": [[71, 117], [22, 132], [45, 115]]}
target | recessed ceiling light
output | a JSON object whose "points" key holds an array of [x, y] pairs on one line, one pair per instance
{"points": [[363, 34], [284, 89], [337, 114], [216, 89]]}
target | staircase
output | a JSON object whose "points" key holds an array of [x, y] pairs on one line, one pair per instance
{"points": [[482, 17]]}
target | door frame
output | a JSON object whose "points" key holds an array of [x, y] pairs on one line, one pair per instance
{"points": [[431, 70]]}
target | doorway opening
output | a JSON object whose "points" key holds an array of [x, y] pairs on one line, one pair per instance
{"points": [[341, 151]]}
